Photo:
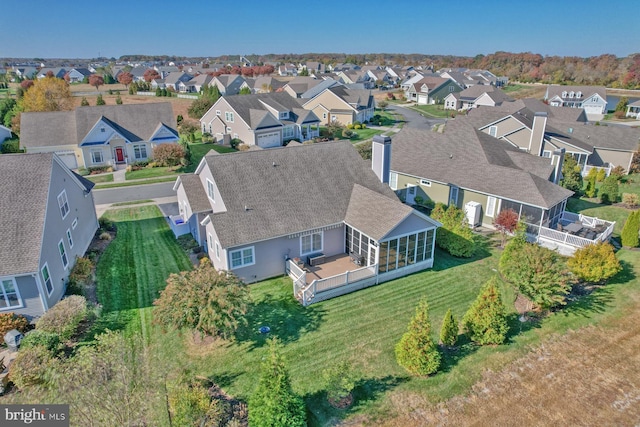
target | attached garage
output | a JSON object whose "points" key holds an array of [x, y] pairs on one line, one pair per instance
{"points": [[593, 109], [423, 99], [269, 140], [69, 158]]}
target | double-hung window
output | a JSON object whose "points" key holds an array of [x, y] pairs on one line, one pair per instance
{"points": [[69, 238], [228, 116], [140, 151], [96, 157], [242, 257], [311, 243], [63, 203], [9, 296], [48, 283], [63, 254], [211, 190]]}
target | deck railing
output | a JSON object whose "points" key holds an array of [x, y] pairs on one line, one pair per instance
{"points": [[571, 240]]}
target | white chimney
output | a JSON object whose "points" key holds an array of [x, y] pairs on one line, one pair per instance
{"points": [[381, 157], [536, 143]]}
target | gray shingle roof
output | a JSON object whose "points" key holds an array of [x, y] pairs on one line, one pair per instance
{"points": [[251, 108], [198, 199], [24, 185], [473, 160], [309, 187], [70, 127]]}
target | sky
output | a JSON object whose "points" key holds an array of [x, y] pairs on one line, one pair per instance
{"points": [[81, 29]]}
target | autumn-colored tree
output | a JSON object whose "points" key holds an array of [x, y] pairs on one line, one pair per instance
{"points": [[594, 263], [150, 75], [506, 223], [416, 351], [125, 78], [96, 80], [206, 300], [168, 154], [48, 94], [26, 84], [486, 319]]}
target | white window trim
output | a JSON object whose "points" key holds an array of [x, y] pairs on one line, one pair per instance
{"points": [[493, 131], [140, 147], [211, 191], [74, 224], [63, 194], [97, 151], [253, 257], [217, 250], [4, 295], [312, 251], [44, 282], [491, 206], [69, 238], [218, 112], [64, 252], [393, 180], [425, 182]]}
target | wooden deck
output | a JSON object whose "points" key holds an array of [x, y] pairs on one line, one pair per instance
{"points": [[333, 265]]}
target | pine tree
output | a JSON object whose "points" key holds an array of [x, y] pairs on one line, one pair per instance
{"points": [[84, 102], [416, 351], [486, 319], [609, 190], [630, 230], [118, 100], [99, 100], [449, 330], [274, 403]]}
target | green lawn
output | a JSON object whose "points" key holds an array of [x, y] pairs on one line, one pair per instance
{"points": [[607, 212], [436, 110], [514, 87], [364, 134], [133, 183], [98, 179], [362, 327], [630, 184]]}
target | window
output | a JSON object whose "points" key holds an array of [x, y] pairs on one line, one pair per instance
{"points": [[453, 196], [425, 183], [564, 94], [311, 243], [451, 88], [218, 113], [578, 94], [218, 251], [210, 190], [491, 206], [242, 257], [287, 132], [140, 151], [284, 114], [393, 180], [228, 129], [9, 296], [228, 116], [102, 130], [74, 224], [493, 131], [63, 203], [546, 154], [571, 94], [96, 156], [324, 115], [63, 255], [69, 238], [48, 284]]}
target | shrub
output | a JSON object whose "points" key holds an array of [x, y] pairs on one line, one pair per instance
{"points": [[84, 102], [9, 321], [416, 351], [590, 191], [105, 236], [454, 236], [106, 224], [601, 175], [36, 337], [99, 100], [347, 133], [64, 317], [449, 330], [630, 199], [363, 126], [81, 271], [618, 172], [506, 223], [168, 154], [98, 169], [33, 366], [339, 382], [357, 127], [235, 142], [609, 190], [350, 126], [571, 177], [188, 403], [594, 263], [486, 319], [243, 147], [619, 114], [629, 235], [207, 138], [10, 146]]}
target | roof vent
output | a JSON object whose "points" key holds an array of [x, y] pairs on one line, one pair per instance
{"points": [[274, 164], [246, 208], [571, 130]]}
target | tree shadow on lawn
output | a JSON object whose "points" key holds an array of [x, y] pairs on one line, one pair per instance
{"points": [[444, 260], [284, 315], [366, 391], [451, 356]]}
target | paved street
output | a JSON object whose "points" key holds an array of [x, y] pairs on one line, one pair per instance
{"points": [[414, 119]]}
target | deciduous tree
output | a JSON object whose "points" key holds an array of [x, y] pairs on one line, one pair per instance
{"points": [[125, 78], [48, 94], [206, 300], [150, 75], [506, 223], [595, 263], [486, 319], [416, 351], [96, 80]]}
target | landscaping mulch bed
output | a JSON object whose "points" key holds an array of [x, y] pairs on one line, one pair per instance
{"points": [[95, 250]]}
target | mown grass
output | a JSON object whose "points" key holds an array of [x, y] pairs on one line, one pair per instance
{"points": [[98, 179], [432, 110], [362, 327], [132, 183]]}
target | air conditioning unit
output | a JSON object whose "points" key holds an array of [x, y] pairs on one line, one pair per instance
{"points": [[473, 210]]}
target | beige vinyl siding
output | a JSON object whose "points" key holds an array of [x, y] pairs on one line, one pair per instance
{"points": [[219, 264], [436, 192], [505, 127], [466, 196], [59, 148], [217, 204], [521, 138], [616, 158], [569, 148]]}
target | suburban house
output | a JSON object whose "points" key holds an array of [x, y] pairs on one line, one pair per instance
{"points": [[538, 134], [431, 90], [476, 96], [228, 84], [316, 212], [593, 99], [77, 75], [342, 105], [5, 133], [49, 219], [307, 87], [100, 135], [263, 84], [264, 120], [287, 70], [633, 110], [173, 79], [57, 72], [355, 76], [195, 84]]}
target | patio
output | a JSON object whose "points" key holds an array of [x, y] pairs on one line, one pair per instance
{"points": [[332, 266]]}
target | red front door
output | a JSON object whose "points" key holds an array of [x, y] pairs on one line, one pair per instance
{"points": [[119, 154]]}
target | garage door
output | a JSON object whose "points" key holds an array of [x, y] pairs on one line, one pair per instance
{"points": [[69, 159], [268, 140], [593, 109], [422, 99]]}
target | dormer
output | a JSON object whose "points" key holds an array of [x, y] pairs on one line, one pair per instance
{"points": [[564, 94], [572, 94], [578, 94]]}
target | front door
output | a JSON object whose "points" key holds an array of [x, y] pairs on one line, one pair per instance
{"points": [[119, 155], [411, 194]]}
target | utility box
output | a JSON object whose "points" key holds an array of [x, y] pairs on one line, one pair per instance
{"points": [[12, 339], [473, 211]]}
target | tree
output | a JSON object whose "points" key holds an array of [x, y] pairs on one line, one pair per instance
{"points": [[84, 102], [118, 100], [274, 403], [245, 91], [99, 100], [595, 263], [125, 78], [168, 154], [622, 104], [209, 301], [506, 223], [48, 94], [449, 330], [96, 80], [630, 230], [199, 107], [383, 105], [339, 382], [150, 75], [486, 319], [304, 72], [26, 84], [416, 351], [609, 190], [571, 177], [537, 273]]}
